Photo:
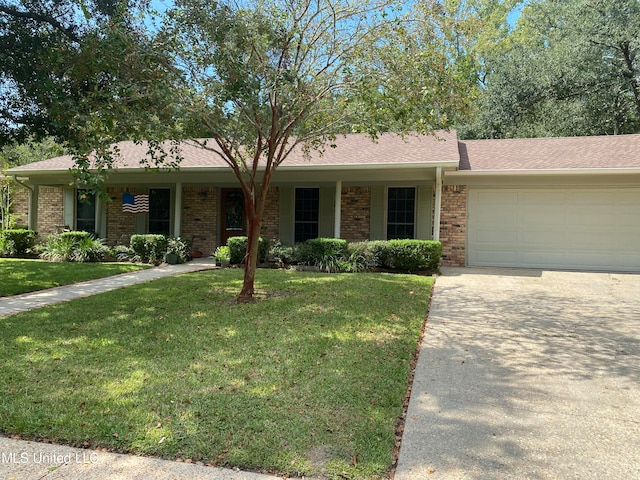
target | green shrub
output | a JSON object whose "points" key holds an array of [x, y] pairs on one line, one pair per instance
{"points": [[407, 255], [238, 249], [378, 251], [327, 247], [73, 247], [149, 248], [178, 246], [17, 242], [222, 254], [281, 253], [303, 254], [412, 255], [76, 236], [122, 253], [359, 257], [89, 249]]}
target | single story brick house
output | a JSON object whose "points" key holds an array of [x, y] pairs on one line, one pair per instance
{"points": [[570, 203]]}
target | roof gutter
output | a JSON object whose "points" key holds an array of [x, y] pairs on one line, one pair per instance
{"points": [[554, 171], [310, 167]]}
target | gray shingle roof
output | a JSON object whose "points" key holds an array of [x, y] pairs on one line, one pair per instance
{"points": [[612, 151], [350, 150], [599, 152]]}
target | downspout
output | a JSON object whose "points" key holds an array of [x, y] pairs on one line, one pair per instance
{"points": [[337, 209], [177, 214], [438, 205], [23, 184]]}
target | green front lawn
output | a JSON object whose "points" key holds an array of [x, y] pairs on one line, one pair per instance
{"points": [[22, 276], [308, 381]]}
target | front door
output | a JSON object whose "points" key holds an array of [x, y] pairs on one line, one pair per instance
{"points": [[232, 215]]}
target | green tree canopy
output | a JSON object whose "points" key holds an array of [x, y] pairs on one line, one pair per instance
{"points": [[29, 151], [568, 68], [261, 78]]}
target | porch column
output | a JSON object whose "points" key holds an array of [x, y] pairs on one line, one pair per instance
{"points": [[177, 214], [438, 205], [98, 214], [33, 208], [337, 209]]}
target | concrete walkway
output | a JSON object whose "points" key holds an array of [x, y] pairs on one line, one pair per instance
{"points": [[29, 301], [527, 374]]}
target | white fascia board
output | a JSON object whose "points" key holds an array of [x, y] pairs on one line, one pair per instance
{"points": [[556, 171], [310, 167], [371, 166]]}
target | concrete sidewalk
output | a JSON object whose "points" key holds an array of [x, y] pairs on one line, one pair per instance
{"points": [[527, 374], [29, 301], [21, 460]]}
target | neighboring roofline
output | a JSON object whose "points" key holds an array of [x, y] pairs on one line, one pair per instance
{"points": [[550, 171]]}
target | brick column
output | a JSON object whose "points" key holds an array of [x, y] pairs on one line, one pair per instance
{"points": [[355, 214], [120, 226], [50, 210], [271, 216], [200, 217], [453, 225]]}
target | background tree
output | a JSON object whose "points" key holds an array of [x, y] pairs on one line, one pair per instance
{"points": [[80, 71], [569, 68], [28, 151]]}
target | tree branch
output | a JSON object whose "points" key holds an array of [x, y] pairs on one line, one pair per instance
{"points": [[38, 17]]}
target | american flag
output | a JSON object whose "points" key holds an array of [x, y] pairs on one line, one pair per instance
{"points": [[135, 203]]}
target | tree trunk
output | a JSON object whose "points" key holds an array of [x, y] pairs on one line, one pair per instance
{"points": [[251, 258]]}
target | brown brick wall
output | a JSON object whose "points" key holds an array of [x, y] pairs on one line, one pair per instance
{"points": [[271, 217], [453, 225], [200, 217], [20, 204], [355, 215], [120, 225], [50, 209]]}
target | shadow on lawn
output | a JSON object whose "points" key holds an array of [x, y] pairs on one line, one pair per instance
{"points": [[311, 380]]}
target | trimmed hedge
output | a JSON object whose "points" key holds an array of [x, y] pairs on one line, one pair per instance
{"points": [[17, 242], [333, 254], [149, 247], [76, 236], [323, 247], [238, 249], [408, 255]]}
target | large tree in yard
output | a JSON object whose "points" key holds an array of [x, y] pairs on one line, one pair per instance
{"points": [[260, 79], [256, 78]]}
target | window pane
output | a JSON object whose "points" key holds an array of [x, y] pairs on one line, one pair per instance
{"points": [[307, 213], [401, 212], [159, 210], [85, 211]]}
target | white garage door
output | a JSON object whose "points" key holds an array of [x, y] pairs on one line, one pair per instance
{"points": [[588, 229]]}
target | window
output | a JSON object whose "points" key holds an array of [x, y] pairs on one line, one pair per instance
{"points": [[401, 209], [85, 211], [159, 210], [307, 213]]}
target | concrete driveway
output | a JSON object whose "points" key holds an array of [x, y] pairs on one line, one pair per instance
{"points": [[527, 374]]}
